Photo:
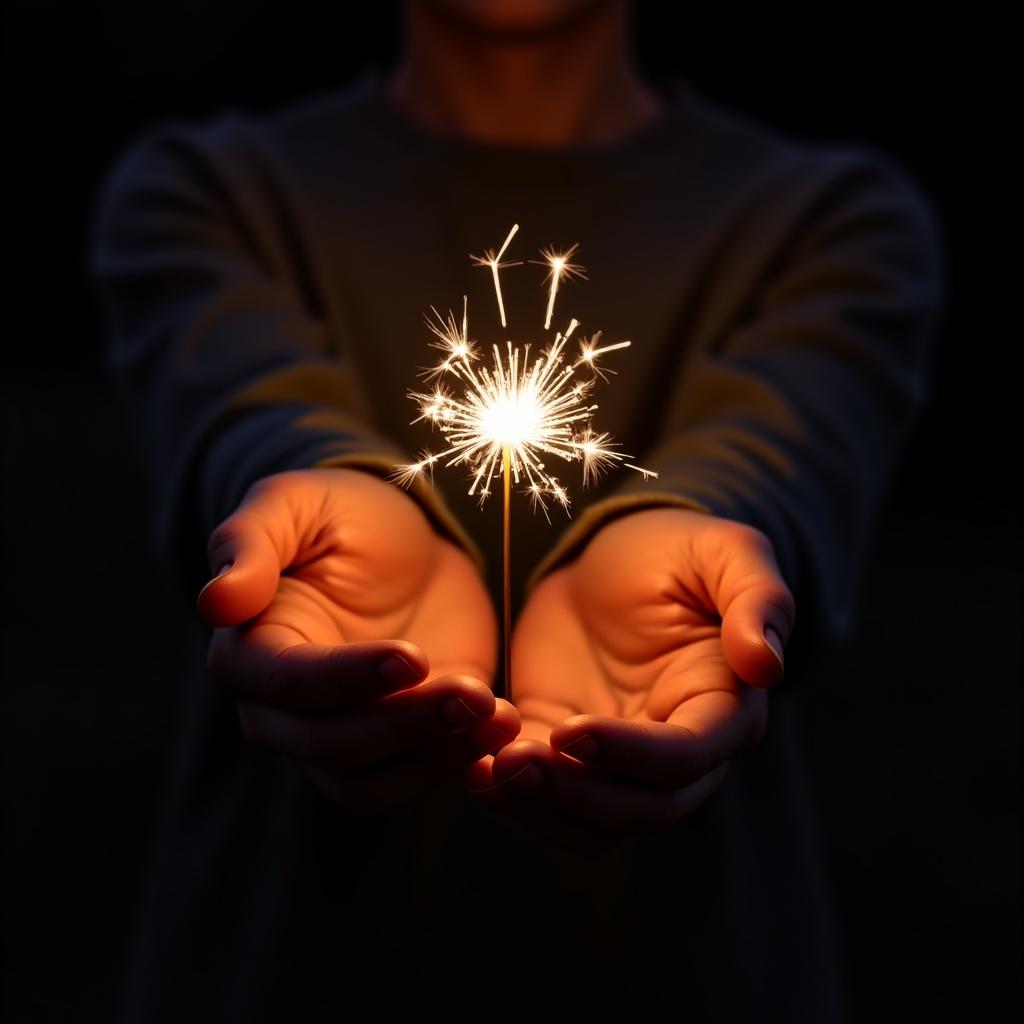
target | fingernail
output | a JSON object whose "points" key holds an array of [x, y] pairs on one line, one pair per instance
{"points": [[774, 642], [457, 712], [397, 672], [529, 775], [583, 748], [213, 579]]}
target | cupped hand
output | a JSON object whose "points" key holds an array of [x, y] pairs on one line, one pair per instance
{"points": [[353, 637], [631, 668]]}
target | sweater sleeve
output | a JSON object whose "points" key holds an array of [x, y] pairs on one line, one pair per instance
{"points": [[793, 421], [225, 363]]}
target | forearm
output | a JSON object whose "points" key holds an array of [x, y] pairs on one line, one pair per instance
{"points": [[794, 419], [228, 367]]}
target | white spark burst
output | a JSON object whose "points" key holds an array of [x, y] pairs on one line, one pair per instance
{"points": [[518, 411]]}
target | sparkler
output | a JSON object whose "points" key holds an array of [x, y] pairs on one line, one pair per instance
{"points": [[508, 417]]}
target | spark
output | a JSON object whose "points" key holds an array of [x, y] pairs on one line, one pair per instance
{"points": [[590, 352], [559, 265], [596, 453], [493, 260], [451, 339]]}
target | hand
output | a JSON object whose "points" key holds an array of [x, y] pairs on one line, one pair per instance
{"points": [[627, 668], [353, 637]]}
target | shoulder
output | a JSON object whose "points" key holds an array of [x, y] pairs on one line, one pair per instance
{"points": [[793, 191], [234, 162], [236, 141], [748, 141], [809, 171]]}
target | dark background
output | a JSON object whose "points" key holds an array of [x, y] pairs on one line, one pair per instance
{"points": [[913, 733]]}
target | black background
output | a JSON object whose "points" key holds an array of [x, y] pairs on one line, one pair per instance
{"points": [[913, 733]]}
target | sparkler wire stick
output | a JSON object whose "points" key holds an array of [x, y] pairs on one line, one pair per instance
{"points": [[515, 412], [506, 552]]}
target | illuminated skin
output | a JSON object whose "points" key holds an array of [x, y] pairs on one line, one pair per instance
{"points": [[367, 579], [632, 666]]}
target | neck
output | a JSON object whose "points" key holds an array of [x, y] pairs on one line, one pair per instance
{"points": [[572, 83]]}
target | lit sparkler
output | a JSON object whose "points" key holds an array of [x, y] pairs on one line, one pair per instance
{"points": [[507, 418]]}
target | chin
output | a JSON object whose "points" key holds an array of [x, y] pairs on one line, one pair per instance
{"points": [[513, 17]]}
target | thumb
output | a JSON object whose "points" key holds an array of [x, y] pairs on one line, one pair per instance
{"points": [[248, 567], [758, 612]]}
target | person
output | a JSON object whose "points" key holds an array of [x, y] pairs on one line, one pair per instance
{"points": [[352, 818]]}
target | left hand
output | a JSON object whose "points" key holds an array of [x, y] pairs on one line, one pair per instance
{"points": [[629, 671], [353, 637]]}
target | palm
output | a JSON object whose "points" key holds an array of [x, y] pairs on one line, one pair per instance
{"points": [[368, 566], [627, 668], [354, 639], [615, 635]]}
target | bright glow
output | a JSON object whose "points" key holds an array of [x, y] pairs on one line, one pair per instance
{"points": [[511, 420], [533, 408]]}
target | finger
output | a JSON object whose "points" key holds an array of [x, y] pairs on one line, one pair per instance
{"points": [[702, 733], [379, 731], [532, 775], [450, 757], [247, 560], [248, 571], [756, 606], [270, 664], [488, 737], [248, 551], [395, 782], [479, 775]]}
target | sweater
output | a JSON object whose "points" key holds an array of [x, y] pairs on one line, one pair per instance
{"points": [[264, 280]]}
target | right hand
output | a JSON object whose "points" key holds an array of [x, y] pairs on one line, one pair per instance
{"points": [[353, 637], [641, 669]]}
